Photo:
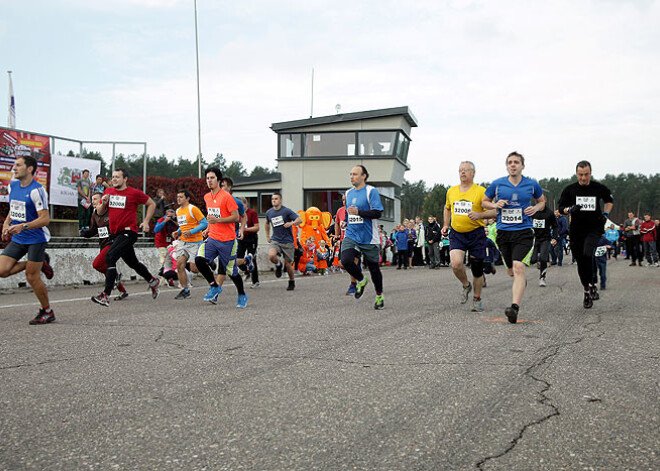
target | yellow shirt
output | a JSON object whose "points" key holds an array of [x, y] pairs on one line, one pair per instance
{"points": [[460, 204], [188, 218]]}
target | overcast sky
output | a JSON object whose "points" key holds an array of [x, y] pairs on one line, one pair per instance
{"points": [[559, 80]]}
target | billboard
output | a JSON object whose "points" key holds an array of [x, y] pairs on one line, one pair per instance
{"points": [[15, 144], [64, 176]]}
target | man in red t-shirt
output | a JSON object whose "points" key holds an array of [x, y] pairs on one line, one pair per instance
{"points": [[122, 202], [248, 243], [649, 236]]}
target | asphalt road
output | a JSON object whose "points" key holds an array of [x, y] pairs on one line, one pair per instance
{"points": [[314, 379]]}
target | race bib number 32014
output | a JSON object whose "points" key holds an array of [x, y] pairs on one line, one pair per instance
{"points": [[512, 215], [17, 211], [462, 208], [117, 201], [588, 203]]}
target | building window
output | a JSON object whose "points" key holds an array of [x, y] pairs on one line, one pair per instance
{"points": [[265, 202], [402, 146], [388, 207], [334, 144], [325, 200], [376, 143], [290, 145]]}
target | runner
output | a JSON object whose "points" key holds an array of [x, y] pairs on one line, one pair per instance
{"points": [[100, 222], [582, 201], [545, 226], [249, 244], [122, 202], [340, 232], [222, 216], [26, 225], [465, 215], [512, 196], [363, 209], [191, 223], [281, 242]]}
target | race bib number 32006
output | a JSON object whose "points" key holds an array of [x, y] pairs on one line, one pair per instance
{"points": [[588, 203], [17, 211], [462, 208], [117, 201], [512, 215]]}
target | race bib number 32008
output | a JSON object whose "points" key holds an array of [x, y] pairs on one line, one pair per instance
{"points": [[117, 201], [512, 215], [588, 203], [17, 211], [462, 208]]}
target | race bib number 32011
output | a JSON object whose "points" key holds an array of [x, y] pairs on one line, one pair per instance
{"points": [[117, 201], [512, 215], [588, 203], [462, 208], [17, 211]]}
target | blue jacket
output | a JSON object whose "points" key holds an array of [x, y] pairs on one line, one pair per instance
{"points": [[562, 226]]}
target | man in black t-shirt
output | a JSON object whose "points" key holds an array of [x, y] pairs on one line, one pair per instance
{"points": [[582, 201]]}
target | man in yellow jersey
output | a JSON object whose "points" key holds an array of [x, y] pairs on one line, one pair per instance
{"points": [[191, 223], [464, 214]]}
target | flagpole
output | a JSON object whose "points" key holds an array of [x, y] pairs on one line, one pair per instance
{"points": [[199, 119], [11, 118]]}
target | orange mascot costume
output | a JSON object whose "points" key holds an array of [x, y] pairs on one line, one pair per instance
{"points": [[314, 224]]}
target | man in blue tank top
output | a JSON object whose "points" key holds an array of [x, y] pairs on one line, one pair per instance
{"points": [[26, 226]]}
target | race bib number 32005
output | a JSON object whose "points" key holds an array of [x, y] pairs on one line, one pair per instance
{"points": [[117, 201], [17, 211], [588, 203], [462, 208], [512, 215]]}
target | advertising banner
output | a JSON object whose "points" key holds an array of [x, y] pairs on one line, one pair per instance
{"points": [[17, 144], [64, 176]]}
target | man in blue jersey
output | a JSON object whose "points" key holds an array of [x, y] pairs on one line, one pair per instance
{"points": [[512, 197], [363, 208], [26, 225]]}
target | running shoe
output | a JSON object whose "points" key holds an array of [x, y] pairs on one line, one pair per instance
{"points": [[255, 285], [593, 291], [120, 296], [512, 314], [170, 283], [183, 294], [477, 306], [542, 282], [117, 281], [351, 290], [587, 303], [242, 300], [292, 285], [101, 299], [43, 317], [46, 269], [153, 285], [278, 270], [380, 302], [466, 293], [250, 263], [212, 295], [359, 288]]}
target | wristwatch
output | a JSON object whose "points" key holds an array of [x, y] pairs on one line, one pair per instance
{"points": [[25, 227]]}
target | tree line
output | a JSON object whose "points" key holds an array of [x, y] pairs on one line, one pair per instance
{"points": [[631, 192]]}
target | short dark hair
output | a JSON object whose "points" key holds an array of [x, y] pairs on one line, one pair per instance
{"points": [[364, 171], [30, 162], [216, 170], [123, 172], [185, 192], [277, 193], [516, 154], [228, 181], [582, 164], [99, 176], [86, 170]]}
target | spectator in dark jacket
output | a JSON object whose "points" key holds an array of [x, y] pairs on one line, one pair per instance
{"points": [[433, 233], [557, 254]]}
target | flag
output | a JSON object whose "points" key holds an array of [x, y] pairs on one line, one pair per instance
{"points": [[11, 120]]}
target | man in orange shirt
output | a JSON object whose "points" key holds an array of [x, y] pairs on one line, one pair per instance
{"points": [[191, 223], [222, 214]]}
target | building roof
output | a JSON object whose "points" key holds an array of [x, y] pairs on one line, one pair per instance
{"points": [[274, 177], [341, 118]]}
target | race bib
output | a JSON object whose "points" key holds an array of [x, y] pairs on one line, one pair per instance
{"points": [[85, 204], [462, 208], [117, 201], [539, 223], [512, 215], [182, 220], [277, 221], [103, 233], [600, 251], [588, 203], [17, 211], [215, 212], [355, 219]]}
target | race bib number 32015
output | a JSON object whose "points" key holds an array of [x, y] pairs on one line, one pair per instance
{"points": [[277, 221], [117, 201], [588, 203], [462, 208], [17, 211], [512, 215], [355, 219]]}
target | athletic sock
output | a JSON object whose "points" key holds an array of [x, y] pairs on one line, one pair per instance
{"points": [[47, 309]]}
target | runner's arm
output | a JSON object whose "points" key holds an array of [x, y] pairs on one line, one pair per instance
{"points": [[370, 213]]}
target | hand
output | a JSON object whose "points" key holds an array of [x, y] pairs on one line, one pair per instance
{"points": [[445, 230], [352, 210], [212, 219], [342, 224], [145, 226], [241, 234], [105, 199], [474, 216], [15, 229], [268, 239], [530, 210], [186, 233], [501, 203], [576, 208], [205, 233], [5, 233]]}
